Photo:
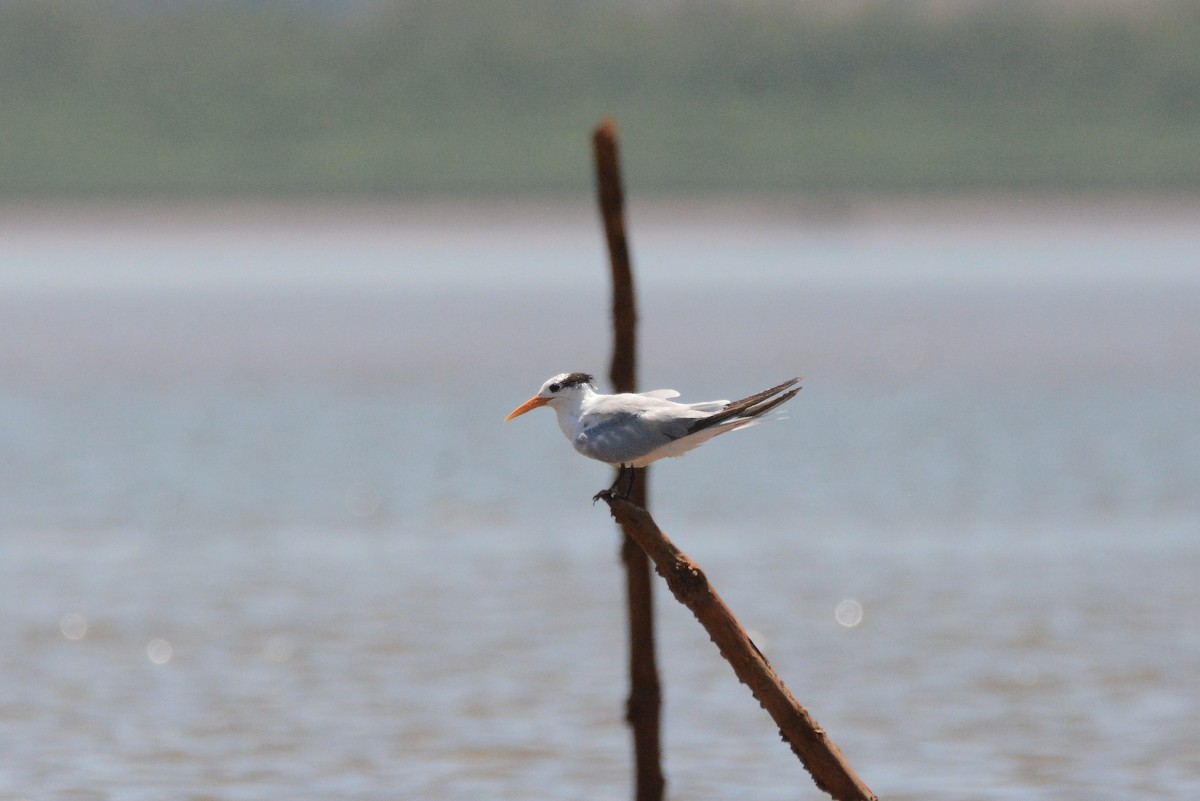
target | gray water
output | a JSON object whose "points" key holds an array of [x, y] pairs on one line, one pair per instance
{"points": [[263, 535]]}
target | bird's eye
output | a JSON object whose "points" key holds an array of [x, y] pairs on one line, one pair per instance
{"points": [[555, 387]]}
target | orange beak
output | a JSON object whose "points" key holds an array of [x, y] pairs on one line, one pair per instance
{"points": [[527, 406]]}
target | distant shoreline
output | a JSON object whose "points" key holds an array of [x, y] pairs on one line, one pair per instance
{"points": [[456, 97], [958, 208]]}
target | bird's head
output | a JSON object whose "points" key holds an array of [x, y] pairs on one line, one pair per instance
{"points": [[563, 390]]}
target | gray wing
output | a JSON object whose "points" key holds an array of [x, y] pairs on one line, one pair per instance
{"points": [[623, 430]]}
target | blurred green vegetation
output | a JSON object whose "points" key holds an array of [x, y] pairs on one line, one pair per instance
{"points": [[463, 96]]}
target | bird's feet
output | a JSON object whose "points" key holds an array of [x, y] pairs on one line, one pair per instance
{"points": [[614, 492]]}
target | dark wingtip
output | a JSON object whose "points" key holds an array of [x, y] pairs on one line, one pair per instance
{"points": [[752, 406]]}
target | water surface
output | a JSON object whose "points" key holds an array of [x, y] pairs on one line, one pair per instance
{"points": [[262, 533]]}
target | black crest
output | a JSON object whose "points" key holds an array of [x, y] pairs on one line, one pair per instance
{"points": [[575, 379], [571, 380]]}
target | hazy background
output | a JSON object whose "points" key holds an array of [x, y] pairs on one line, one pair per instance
{"points": [[271, 274], [133, 98]]}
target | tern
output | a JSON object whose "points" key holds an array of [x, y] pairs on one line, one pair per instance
{"points": [[632, 430]]}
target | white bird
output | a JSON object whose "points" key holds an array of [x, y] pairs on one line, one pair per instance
{"points": [[631, 430]]}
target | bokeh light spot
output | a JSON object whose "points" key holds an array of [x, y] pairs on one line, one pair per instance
{"points": [[73, 626], [159, 651], [849, 613], [363, 500]]}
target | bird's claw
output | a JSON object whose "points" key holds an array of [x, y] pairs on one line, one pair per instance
{"points": [[605, 495]]}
